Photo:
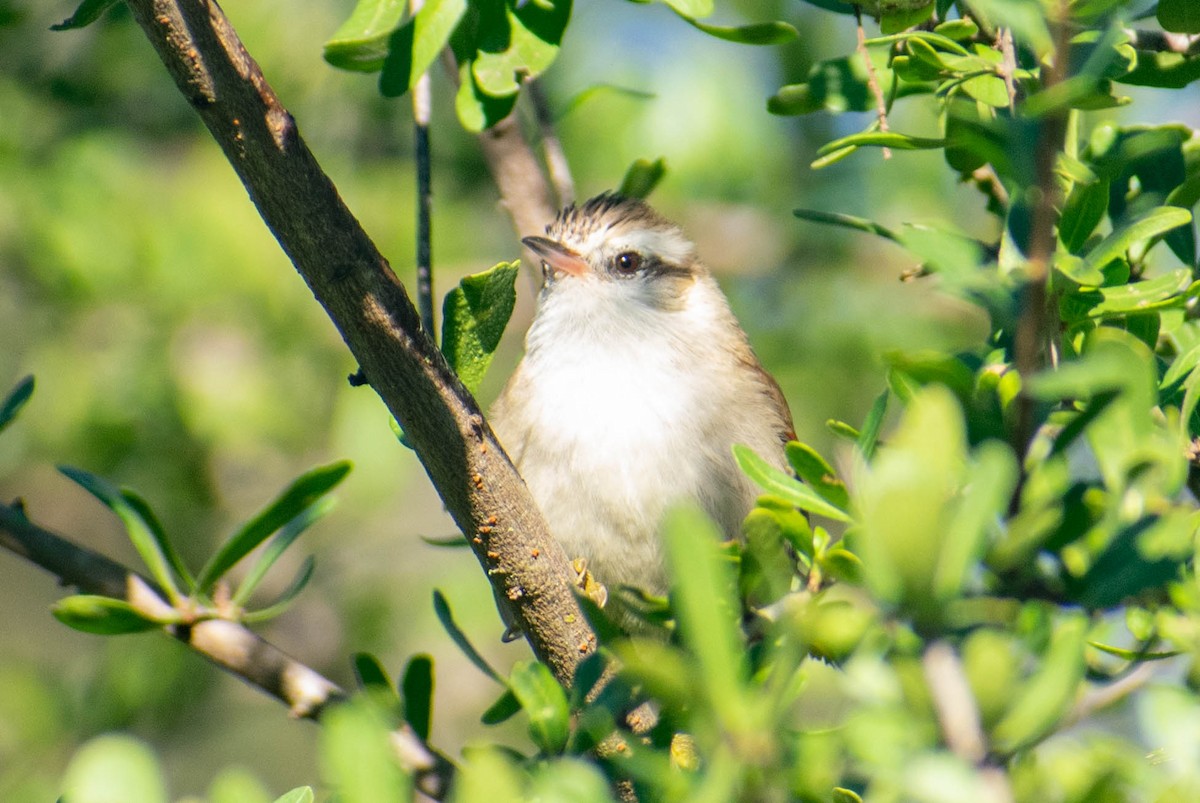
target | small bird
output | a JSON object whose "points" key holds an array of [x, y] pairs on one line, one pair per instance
{"points": [[636, 382]]}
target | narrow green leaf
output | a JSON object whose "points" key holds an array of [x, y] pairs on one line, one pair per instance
{"points": [[783, 485], [102, 615], [414, 46], [987, 488], [474, 316], [417, 687], [642, 177], [544, 702], [442, 608], [764, 33], [1136, 656], [1179, 16], [377, 686], [1046, 697], [361, 42], [1084, 209], [937, 37], [816, 471], [960, 29], [868, 439], [302, 493], [301, 794], [502, 710], [843, 430], [707, 611], [289, 595], [143, 509], [1170, 289], [88, 12], [596, 90], [140, 533], [883, 139], [14, 401], [279, 544], [446, 542], [848, 222], [1149, 224], [691, 9]]}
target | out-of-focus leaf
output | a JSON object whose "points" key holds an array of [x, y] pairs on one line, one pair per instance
{"points": [[413, 47], [1170, 289], [278, 545], [585, 95], [763, 33], [816, 471], [142, 534], [489, 775], [1124, 569], [868, 439], [295, 499], [882, 139], [88, 12], [474, 315], [988, 484], [1133, 655], [1179, 16], [835, 85], [104, 616], [476, 109], [502, 710], [288, 596], [544, 702], [707, 611], [114, 767], [357, 757], [570, 779], [1163, 70], [377, 686], [642, 177], [301, 794], [848, 222], [691, 9], [14, 401], [417, 688], [1047, 696], [361, 42], [766, 571], [960, 29], [1150, 224], [988, 89], [1084, 209], [781, 484], [442, 608]]}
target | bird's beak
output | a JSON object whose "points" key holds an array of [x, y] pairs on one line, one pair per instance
{"points": [[556, 256]]}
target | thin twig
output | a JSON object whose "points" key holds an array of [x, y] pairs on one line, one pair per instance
{"points": [[1008, 65], [422, 101], [872, 79], [227, 644], [1100, 698], [954, 703], [556, 159]]}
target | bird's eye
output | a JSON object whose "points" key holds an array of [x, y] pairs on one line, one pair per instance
{"points": [[628, 263]]}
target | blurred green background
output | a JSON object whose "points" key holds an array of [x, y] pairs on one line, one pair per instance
{"points": [[176, 350]]}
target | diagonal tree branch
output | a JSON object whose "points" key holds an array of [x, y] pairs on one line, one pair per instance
{"points": [[481, 489], [229, 645]]}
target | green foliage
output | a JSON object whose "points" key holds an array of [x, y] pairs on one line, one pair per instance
{"points": [[474, 316]]}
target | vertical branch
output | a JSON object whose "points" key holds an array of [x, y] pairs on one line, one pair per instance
{"points": [[556, 159], [872, 78], [1033, 325], [422, 99]]}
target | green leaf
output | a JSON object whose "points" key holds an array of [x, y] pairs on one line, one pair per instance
{"points": [[88, 12], [442, 608], [1084, 209], [502, 710], [361, 42], [142, 534], [960, 29], [835, 85], [778, 482], [474, 315], [1149, 224], [375, 683], [114, 767], [882, 139], [583, 96], [1163, 70], [1179, 16], [869, 437], [530, 45], [765, 569], [848, 222], [476, 109], [764, 33], [104, 616], [143, 509], [544, 702], [642, 177], [301, 794], [357, 757], [899, 15], [1134, 655], [14, 401], [412, 48], [1170, 289], [417, 686], [292, 503], [1047, 696], [278, 545], [707, 611], [988, 89], [691, 9], [843, 430], [289, 595], [816, 471], [987, 488]]}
